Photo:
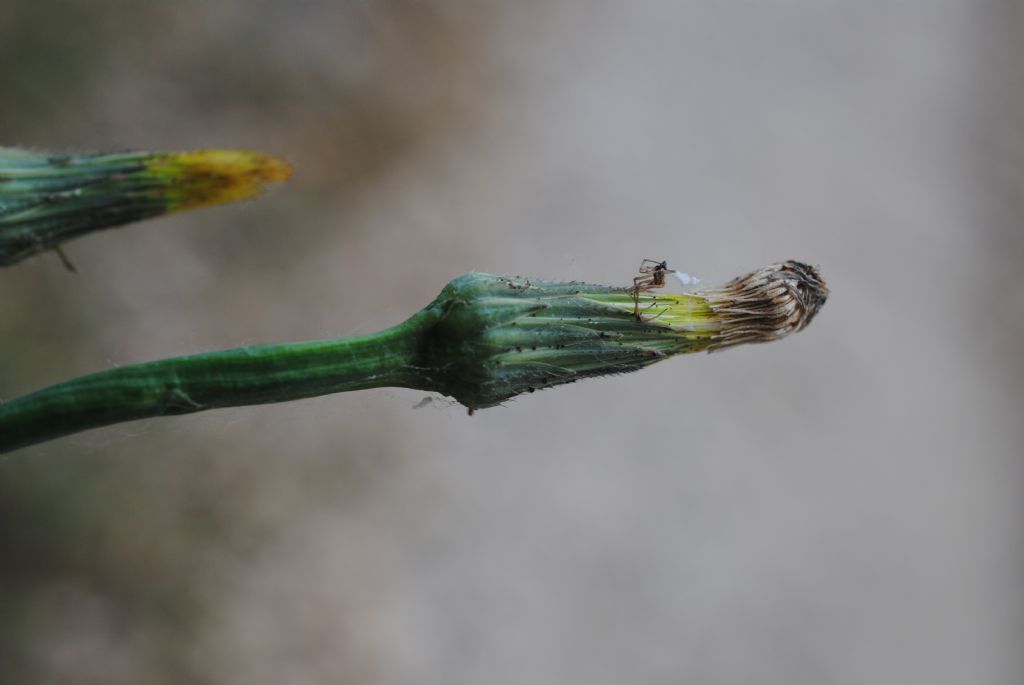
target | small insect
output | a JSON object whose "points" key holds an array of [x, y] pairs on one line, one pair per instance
{"points": [[652, 275]]}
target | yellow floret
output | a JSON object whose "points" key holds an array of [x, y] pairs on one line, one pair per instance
{"points": [[211, 177]]}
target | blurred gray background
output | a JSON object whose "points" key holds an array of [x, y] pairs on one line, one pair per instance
{"points": [[840, 507]]}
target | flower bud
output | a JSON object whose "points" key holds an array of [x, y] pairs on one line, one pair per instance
{"points": [[497, 337], [46, 199]]}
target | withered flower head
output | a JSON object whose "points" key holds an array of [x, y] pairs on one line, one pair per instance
{"points": [[768, 304], [498, 337]]}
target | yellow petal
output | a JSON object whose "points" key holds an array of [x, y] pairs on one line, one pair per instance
{"points": [[210, 177]]}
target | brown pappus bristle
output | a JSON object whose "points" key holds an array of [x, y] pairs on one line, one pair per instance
{"points": [[768, 304]]}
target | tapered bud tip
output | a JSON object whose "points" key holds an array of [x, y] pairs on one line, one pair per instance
{"points": [[768, 304], [210, 177]]}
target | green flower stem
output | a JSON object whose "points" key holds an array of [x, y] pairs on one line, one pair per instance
{"points": [[483, 341], [227, 378]]}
